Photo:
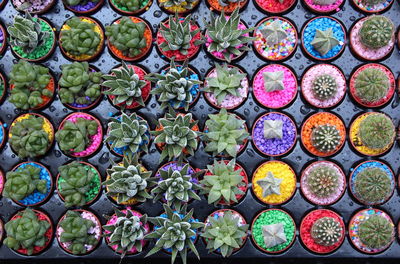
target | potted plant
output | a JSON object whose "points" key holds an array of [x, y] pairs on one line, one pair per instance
{"points": [[323, 182], [3, 137], [275, 6], [127, 87], [273, 231], [225, 232], [373, 6], [29, 232], [32, 6], [128, 182], [1, 227], [177, 136], [81, 39], [125, 231], [79, 135], [129, 38], [372, 38], [83, 6], [275, 38], [322, 231], [323, 38], [3, 86], [372, 85], [175, 232], [228, 6], [274, 182], [130, 7], [3, 37], [235, 40], [31, 135], [274, 134], [2, 181], [225, 134], [225, 183], [226, 86], [181, 7], [78, 232], [2, 3], [274, 86], [78, 183], [371, 231], [28, 184], [372, 182], [31, 86], [324, 6], [31, 38], [372, 133], [323, 134], [128, 134], [79, 86], [323, 85]]}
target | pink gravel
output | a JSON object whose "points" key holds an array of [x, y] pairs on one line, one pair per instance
{"points": [[324, 9], [275, 99], [1, 182], [309, 77]]}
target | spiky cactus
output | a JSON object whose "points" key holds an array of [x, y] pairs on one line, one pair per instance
{"points": [[186, 4], [373, 185], [376, 32], [324, 86], [371, 84], [326, 231], [377, 131], [376, 232], [323, 181], [324, 41], [325, 138]]}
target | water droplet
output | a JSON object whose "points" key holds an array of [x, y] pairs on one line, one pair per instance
{"points": [[256, 108], [201, 106], [52, 108], [153, 150], [57, 153], [246, 111], [352, 18], [203, 116], [104, 158], [16, 111], [253, 17], [395, 102], [298, 158], [250, 152], [304, 109], [65, 110], [297, 56], [9, 116], [157, 65], [153, 105]]}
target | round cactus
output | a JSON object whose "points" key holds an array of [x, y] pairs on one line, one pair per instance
{"points": [[373, 185], [326, 231], [376, 232], [376, 32], [371, 85], [323, 181], [325, 138], [377, 131], [324, 86]]}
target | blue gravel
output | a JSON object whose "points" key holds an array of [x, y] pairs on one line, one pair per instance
{"points": [[323, 24], [1, 135], [37, 196]]}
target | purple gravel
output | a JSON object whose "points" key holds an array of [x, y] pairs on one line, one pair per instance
{"points": [[83, 8], [1, 37], [274, 146]]}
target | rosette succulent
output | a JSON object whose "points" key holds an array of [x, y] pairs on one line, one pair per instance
{"points": [[186, 4], [78, 2], [225, 133], [376, 232], [377, 131], [327, 231], [30, 83], [78, 84], [325, 138], [323, 181], [129, 180], [175, 87], [129, 5], [376, 32], [371, 85], [373, 185], [324, 87]]}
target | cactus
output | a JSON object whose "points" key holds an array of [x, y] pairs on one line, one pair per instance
{"points": [[324, 87], [274, 234], [325, 138], [372, 2], [273, 81], [327, 231], [376, 32], [273, 129], [371, 85], [324, 41], [323, 181], [270, 185], [274, 33], [186, 4], [373, 185], [377, 131], [376, 232]]}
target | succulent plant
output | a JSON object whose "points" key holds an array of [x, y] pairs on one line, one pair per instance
{"points": [[129, 180], [376, 32], [270, 184], [174, 87], [323, 181], [77, 232], [324, 41], [372, 2], [80, 38], [376, 131], [129, 132], [26, 33], [373, 185], [227, 81], [274, 33], [226, 36], [76, 182], [30, 85], [225, 133], [78, 2], [371, 84], [223, 182], [324, 86], [186, 4], [75, 136], [326, 231], [324, 2], [273, 129], [225, 233], [176, 136], [274, 234], [325, 138], [129, 5], [127, 232], [26, 232], [224, 3], [376, 231], [29, 139], [125, 85], [23, 182], [174, 231], [127, 36], [273, 81]]}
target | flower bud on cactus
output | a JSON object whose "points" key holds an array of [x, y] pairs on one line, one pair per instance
{"points": [[376, 232], [324, 41], [323, 181], [373, 185], [376, 32], [371, 85], [326, 231], [377, 131], [325, 138], [324, 86]]}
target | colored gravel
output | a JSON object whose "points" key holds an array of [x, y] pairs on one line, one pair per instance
{"points": [[275, 6], [229, 6], [179, 8], [364, 6], [1, 134], [37, 6], [324, 8], [89, 6], [123, 8]]}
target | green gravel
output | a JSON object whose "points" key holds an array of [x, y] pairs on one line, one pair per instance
{"points": [[1, 88], [123, 8]]}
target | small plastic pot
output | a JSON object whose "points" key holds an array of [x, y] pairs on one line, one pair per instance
{"points": [[130, 13], [45, 9], [275, 7], [319, 9], [214, 5], [2, 181], [2, 231], [90, 9], [3, 136], [2, 4], [3, 43], [380, 8], [180, 12]]}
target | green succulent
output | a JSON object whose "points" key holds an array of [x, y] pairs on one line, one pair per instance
{"points": [[223, 183], [373, 185], [327, 231], [324, 41], [227, 81], [78, 84], [377, 131], [371, 85], [225, 133], [74, 137], [376, 232], [78, 2], [81, 38], [129, 5], [76, 232], [325, 138], [376, 32], [23, 182], [29, 139], [324, 87], [174, 231], [129, 180], [127, 36], [186, 4], [30, 85], [273, 81], [174, 87], [323, 181], [274, 33]]}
